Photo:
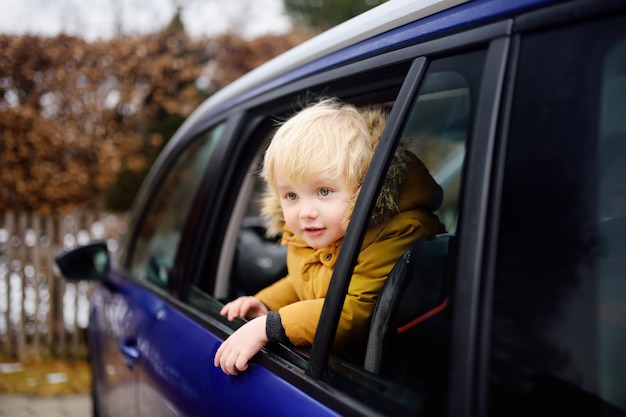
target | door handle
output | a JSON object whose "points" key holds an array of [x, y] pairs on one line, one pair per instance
{"points": [[130, 352]]}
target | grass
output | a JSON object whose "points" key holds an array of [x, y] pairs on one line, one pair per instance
{"points": [[44, 377]]}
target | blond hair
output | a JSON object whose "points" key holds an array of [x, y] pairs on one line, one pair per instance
{"points": [[328, 139]]}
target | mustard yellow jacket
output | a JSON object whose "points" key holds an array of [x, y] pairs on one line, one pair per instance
{"points": [[299, 296]]}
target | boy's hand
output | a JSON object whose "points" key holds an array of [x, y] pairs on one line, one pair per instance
{"points": [[233, 355], [248, 307]]}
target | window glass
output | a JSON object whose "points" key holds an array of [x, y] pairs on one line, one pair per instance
{"points": [[406, 354], [165, 216], [559, 325], [612, 263], [437, 130]]}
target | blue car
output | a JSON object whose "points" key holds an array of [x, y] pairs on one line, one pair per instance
{"points": [[518, 110]]}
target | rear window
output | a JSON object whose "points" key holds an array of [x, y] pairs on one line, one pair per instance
{"points": [[559, 329]]}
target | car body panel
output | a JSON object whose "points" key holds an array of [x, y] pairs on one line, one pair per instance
{"points": [[180, 378], [168, 378]]}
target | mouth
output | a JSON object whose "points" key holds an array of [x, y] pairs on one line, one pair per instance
{"points": [[313, 231]]}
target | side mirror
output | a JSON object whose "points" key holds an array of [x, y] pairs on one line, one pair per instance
{"points": [[89, 262]]}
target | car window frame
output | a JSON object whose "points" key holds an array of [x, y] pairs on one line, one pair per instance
{"points": [[477, 222], [146, 197], [280, 101], [213, 193]]}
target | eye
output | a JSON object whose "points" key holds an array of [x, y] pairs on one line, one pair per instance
{"points": [[324, 192], [291, 196]]}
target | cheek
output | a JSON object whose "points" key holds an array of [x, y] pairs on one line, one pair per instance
{"points": [[291, 216], [339, 214]]}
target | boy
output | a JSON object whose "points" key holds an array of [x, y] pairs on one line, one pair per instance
{"points": [[314, 167]]}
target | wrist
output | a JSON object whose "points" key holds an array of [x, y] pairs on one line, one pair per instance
{"points": [[274, 328], [261, 324]]}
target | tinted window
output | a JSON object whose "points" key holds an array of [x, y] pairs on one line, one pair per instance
{"points": [[559, 329], [159, 233]]}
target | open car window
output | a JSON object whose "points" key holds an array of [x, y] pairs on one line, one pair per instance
{"points": [[249, 260]]}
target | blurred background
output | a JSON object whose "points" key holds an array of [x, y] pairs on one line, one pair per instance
{"points": [[90, 92]]}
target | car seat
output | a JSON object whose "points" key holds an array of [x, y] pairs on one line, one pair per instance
{"points": [[259, 261], [408, 339]]}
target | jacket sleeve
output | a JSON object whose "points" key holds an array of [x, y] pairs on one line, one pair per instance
{"points": [[300, 320], [278, 294]]}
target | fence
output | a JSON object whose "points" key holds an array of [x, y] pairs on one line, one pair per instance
{"points": [[40, 313]]}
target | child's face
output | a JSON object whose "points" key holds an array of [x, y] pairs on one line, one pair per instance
{"points": [[316, 209]]}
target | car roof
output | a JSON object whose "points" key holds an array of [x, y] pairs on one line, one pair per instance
{"points": [[355, 37]]}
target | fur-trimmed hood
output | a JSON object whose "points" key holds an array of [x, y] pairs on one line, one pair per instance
{"points": [[408, 185]]}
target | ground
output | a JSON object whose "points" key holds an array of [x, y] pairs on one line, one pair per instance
{"points": [[44, 377]]}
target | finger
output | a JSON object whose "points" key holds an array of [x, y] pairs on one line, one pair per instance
{"points": [[229, 364], [218, 355], [239, 308], [251, 308], [222, 361], [233, 313], [241, 364], [245, 307], [225, 309]]}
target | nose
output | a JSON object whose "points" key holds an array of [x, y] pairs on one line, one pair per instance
{"points": [[307, 210]]}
